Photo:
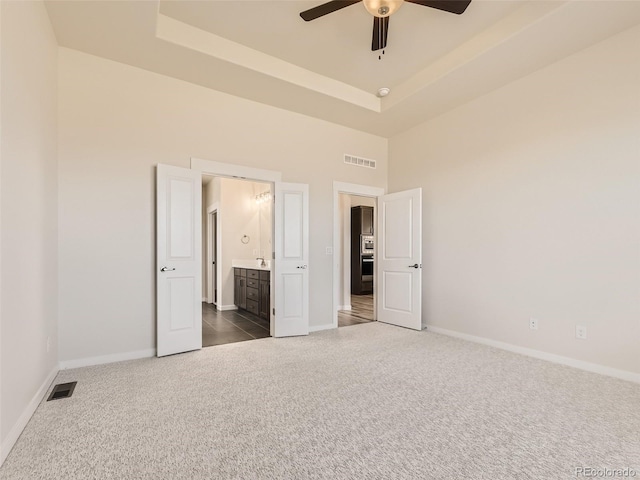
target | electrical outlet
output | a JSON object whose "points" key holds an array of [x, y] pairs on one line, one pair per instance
{"points": [[533, 323], [48, 344], [581, 332], [328, 251]]}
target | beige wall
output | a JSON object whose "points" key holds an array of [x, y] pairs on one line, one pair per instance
{"points": [[29, 244], [265, 222], [116, 123], [532, 208]]}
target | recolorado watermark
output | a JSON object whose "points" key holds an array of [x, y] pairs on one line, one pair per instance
{"points": [[604, 472]]}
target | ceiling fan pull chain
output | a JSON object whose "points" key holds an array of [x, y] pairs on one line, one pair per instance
{"points": [[380, 38]]}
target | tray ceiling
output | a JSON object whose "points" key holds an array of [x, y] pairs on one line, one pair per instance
{"points": [[263, 51]]}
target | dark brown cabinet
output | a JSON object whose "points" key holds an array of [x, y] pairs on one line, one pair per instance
{"points": [[366, 219], [362, 220], [264, 295], [252, 291], [240, 287]]}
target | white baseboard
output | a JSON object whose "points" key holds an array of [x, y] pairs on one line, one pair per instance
{"points": [[28, 412], [101, 360], [317, 328], [550, 357], [224, 308], [204, 299], [344, 307]]}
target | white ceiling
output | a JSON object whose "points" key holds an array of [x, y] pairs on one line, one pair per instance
{"points": [[339, 45], [262, 50]]}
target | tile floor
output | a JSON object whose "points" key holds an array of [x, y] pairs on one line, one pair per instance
{"points": [[230, 326], [361, 311]]}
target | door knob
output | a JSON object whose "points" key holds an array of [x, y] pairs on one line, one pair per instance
{"points": [[301, 266], [415, 265], [165, 269]]}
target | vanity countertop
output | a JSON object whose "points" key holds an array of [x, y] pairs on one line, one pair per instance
{"points": [[250, 264]]}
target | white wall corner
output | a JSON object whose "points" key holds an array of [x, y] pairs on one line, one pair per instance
{"points": [[101, 360], [28, 412], [550, 357], [344, 307]]}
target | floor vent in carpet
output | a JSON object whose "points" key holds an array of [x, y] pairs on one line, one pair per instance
{"points": [[62, 390]]}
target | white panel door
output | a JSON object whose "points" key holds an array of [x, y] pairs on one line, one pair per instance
{"points": [[399, 258], [179, 259], [292, 259]]}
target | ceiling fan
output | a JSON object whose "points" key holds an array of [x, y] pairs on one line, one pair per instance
{"points": [[381, 10]]}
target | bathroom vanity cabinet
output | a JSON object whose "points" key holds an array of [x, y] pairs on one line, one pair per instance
{"points": [[252, 291]]}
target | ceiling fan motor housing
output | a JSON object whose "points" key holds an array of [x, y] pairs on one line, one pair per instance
{"points": [[382, 8]]}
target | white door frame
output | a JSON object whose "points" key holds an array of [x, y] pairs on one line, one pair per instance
{"points": [[348, 189], [211, 209], [229, 170]]}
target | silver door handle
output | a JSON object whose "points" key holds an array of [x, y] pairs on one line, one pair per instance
{"points": [[302, 266], [165, 269], [415, 265]]}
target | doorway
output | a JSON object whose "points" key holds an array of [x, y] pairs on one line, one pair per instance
{"points": [[238, 238], [355, 247], [357, 259], [179, 259]]}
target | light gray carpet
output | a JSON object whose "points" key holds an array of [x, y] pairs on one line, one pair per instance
{"points": [[368, 401]]}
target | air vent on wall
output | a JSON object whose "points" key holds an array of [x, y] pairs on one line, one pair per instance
{"points": [[359, 161]]}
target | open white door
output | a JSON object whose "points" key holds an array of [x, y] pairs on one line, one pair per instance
{"points": [[292, 259], [399, 258], [179, 259]]}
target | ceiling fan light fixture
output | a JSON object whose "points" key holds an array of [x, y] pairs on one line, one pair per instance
{"points": [[382, 8]]}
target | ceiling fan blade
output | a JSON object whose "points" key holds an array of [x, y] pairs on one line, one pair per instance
{"points": [[380, 31], [451, 6], [326, 8]]}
